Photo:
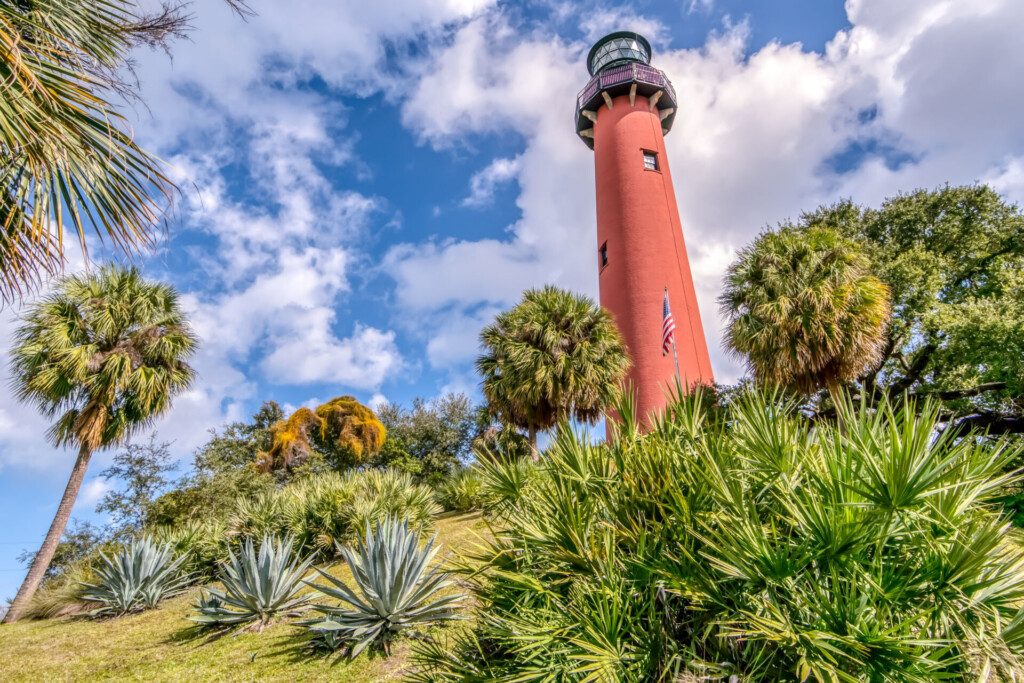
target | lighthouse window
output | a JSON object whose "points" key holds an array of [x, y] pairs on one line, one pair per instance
{"points": [[604, 254], [650, 160]]}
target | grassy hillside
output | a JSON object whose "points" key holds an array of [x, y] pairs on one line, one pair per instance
{"points": [[161, 645]]}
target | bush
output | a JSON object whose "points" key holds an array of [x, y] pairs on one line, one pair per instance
{"points": [[395, 590], [322, 510], [462, 492], [258, 516], [761, 547], [135, 578], [203, 545], [394, 494], [257, 586], [318, 510], [506, 482]]}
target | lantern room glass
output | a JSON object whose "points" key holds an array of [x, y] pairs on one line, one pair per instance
{"points": [[619, 51]]}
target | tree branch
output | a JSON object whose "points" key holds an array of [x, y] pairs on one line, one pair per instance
{"points": [[992, 423], [966, 393], [916, 369]]}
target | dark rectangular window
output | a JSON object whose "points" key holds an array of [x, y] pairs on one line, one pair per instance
{"points": [[604, 254], [650, 160]]}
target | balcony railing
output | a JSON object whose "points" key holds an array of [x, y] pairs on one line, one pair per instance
{"points": [[626, 73]]}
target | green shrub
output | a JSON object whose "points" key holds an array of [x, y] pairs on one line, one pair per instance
{"points": [[318, 510], [762, 546], [462, 492], [322, 510], [258, 586], [394, 494], [258, 516], [505, 483], [135, 578], [395, 590], [204, 545]]}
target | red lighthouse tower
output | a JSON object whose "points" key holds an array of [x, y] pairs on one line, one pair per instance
{"points": [[623, 115]]}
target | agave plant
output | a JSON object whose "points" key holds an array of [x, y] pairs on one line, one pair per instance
{"points": [[135, 578], [395, 590], [258, 586]]}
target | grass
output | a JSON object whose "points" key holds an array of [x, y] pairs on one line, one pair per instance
{"points": [[162, 645]]}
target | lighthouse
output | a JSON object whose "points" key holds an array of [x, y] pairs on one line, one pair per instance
{"points": [[623, 114]]}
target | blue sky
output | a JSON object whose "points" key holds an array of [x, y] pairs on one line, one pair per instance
{"points": [[365, 184]]}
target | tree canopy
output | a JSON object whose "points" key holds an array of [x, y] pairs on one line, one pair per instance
{"points": [[953, 261], [432, 438], [103, 354]]}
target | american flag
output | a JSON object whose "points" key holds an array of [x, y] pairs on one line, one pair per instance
{"points": [[668, 327]]}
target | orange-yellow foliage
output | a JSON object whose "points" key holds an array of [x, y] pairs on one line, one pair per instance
{"points": [[347, 424], [342, 424]]}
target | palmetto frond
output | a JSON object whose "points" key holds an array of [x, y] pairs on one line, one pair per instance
{"points": [[67, 157], [750, 542]]}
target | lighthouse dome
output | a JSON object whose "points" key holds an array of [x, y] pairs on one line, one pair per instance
{"points": [[618, 48]]}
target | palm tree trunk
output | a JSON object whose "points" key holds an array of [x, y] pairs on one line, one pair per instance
{"points": [[41, 562], [533, 443]]}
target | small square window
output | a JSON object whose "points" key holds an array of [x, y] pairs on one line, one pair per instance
{"points": [[604, 254], [650, 160]]}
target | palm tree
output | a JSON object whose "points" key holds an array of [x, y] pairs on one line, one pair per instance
{"points": [[804, 309], [67, 157], [554, 356], [103, 354]]}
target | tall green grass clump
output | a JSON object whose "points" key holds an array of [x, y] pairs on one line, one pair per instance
{"points": [[462, 491], [321, 511], [751, 545]]}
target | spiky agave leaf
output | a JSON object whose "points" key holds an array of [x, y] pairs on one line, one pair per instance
{"points": [[394, 589], [258, 586], [136, 578]]}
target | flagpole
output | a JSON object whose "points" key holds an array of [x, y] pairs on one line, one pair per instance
{"points": [[675, 354]]}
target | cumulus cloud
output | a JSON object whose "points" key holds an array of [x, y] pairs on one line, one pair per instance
{"points": [[483, 185], [92, 493], [603, 20]]}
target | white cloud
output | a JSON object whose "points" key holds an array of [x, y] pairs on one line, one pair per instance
{"points": [[1008, 179], [362, 361], [703, 6], [603, 20], [483, 185], [273, 266], [92, 492]]}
